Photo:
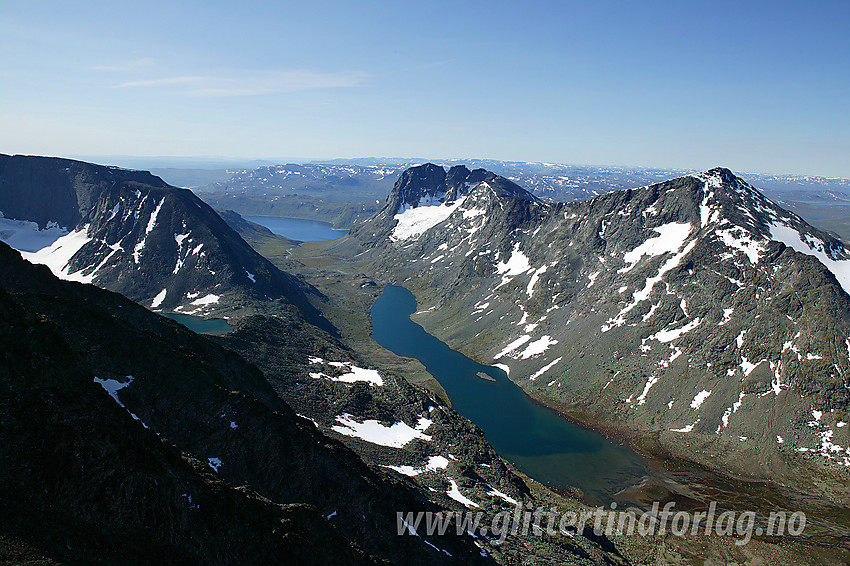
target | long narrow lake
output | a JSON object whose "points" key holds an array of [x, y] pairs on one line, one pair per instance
{"points": [[537, 440], [298, 228], [563, 455]]}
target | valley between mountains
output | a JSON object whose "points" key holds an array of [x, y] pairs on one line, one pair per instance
{"points": [[694, 319], [694, 313]]}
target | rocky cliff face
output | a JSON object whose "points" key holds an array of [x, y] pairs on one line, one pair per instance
{"points": [[130, 232], [695, 311]]}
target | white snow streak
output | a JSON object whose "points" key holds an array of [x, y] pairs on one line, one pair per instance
{"points": [[396, 435], [57, 255]]}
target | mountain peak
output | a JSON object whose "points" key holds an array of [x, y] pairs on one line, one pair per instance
{"points": [[425, 195], [430, 184], [723, 174]]}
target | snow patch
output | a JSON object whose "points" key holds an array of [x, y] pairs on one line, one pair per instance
{"points": [[152, 221], [732, 410], [739, 239], [544, 369], [25, 236], [687, 428], [640, 296], [504, 367], [354, 374], [794, 240], [206, 300], [699, 398], [670, 335], [396, 435], [112, 387], [537, 347], [513, 346], [496, 493], [59, 254], [413, 222], [517, 264], [454, 493], [158, 299], [534, 277], [435, 463], [649, 383], [670, 238]]}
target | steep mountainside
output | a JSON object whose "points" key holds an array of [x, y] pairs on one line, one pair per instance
{"points": [[129, 232], [129, 439], [694, 312]]}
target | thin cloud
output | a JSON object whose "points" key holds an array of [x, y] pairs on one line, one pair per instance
{"points": [[127, 65], [252, 83], [160, 82]]}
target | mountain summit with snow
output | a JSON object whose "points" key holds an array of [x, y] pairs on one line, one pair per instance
{"points": [[426, 195], [130, 232], [693, 312]]}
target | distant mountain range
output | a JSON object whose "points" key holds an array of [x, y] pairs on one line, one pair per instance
{"points": [[694, 313], [343, 191], [362, 180]]}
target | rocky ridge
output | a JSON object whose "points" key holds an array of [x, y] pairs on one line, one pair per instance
{"points": [[128, 438], [128, 231]]}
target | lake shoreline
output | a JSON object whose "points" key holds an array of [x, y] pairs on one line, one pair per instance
{"points": [[669, 477]]}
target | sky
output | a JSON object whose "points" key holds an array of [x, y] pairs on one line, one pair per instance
{"points": [[755, 86]]}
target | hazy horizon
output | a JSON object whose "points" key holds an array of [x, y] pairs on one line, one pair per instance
{"points": [[213, 162], [753, 86]]}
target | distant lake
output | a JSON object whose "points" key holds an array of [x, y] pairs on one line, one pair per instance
{"points": [[215, 326], [298, 228], [540, 442]]}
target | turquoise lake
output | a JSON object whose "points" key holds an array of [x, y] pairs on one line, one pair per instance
{"points": [[540, 442], [215, 326], [298, 228]]}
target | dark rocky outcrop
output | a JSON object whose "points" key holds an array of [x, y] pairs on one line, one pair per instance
{"points": [[128, 439]]}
